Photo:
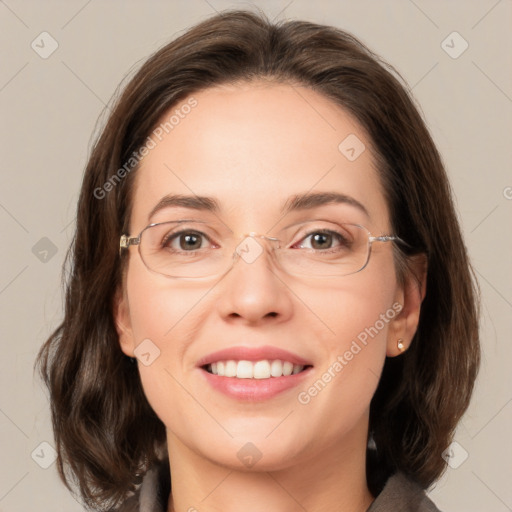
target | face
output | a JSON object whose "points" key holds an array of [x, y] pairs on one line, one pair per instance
{"points": [[251, 148]]}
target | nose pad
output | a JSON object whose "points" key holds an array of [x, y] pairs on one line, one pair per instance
{"points": [[249, 249]]}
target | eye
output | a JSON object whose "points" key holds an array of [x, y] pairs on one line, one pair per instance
{"points": [[188, 241], [323, 239]]}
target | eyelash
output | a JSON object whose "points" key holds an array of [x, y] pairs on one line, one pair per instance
{"points": [[343, 240], [339, 236]]}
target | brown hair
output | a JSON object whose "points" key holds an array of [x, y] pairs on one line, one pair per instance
{"points": [[106, 433]]}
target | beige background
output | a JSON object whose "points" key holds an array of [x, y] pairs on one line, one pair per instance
{"points": [[49, 108]]}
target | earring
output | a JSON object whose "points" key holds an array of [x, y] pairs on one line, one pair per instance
{"points": [[400, 344]]}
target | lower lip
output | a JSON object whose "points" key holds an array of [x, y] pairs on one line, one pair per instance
{"points": [[254, 389]]}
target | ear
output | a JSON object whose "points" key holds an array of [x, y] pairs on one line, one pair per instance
{"points": [[409, 296], [121, 310]]}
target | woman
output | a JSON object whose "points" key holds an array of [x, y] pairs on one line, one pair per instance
{"points": [[270, 304]]}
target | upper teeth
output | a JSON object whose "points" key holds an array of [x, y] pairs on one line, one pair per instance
{"points": [[254, 369]]}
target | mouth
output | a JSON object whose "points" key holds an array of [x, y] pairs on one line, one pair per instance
{"points": [[262, 369], [253, 373]]}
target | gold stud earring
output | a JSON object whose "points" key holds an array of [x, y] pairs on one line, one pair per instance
{"points": [[400, 344]]}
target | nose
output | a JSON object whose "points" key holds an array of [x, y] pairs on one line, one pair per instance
{"points": [[254, 290]]}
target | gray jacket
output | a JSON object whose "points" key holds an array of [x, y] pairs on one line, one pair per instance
{"points": [[400, 494]]}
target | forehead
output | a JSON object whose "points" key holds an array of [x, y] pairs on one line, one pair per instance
{"points": [[253, 146]]}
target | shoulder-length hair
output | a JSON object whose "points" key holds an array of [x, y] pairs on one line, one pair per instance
{"points": [[106, 433]]}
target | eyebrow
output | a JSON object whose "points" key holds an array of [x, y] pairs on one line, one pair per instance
{"points": [[298, 202], [309, 201], [201, 203]]}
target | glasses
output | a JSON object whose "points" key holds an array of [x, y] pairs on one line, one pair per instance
{"points": [[197, 249]]}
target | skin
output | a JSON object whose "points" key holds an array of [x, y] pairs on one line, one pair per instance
{"points": [[252, 146]]}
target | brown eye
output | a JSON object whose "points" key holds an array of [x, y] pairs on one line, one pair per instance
{"points": [[187, 241], [321, 240]]}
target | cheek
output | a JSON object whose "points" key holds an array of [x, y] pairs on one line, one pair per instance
{"points": [[356, 317], [357, 307], [164, 322], [160, 308]]}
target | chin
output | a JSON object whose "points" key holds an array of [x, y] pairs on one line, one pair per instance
{"points": [[254, 456]]}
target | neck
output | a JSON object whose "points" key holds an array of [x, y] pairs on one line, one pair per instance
{"points": [[332, 480]]}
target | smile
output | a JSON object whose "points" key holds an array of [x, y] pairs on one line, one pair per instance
{"points": [[253, 373], [263, 369]]}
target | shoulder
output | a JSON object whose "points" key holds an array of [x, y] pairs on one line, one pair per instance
{"points": [[401, 494]]}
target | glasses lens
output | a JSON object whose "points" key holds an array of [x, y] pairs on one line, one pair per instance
{"points": [[183, 249], [338, 250], [195, 249]]}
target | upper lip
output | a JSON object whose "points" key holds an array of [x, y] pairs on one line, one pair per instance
{"points": [[241, 353]]}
